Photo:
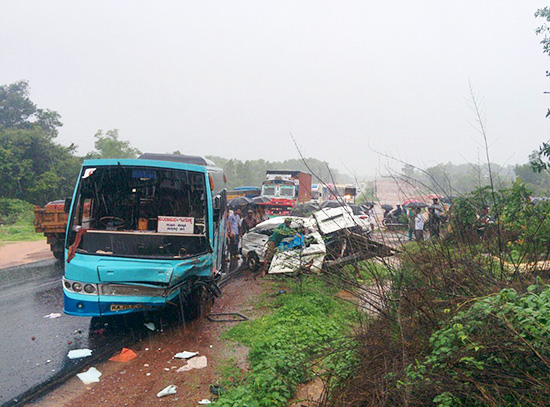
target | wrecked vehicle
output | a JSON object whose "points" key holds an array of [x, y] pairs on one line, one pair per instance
{"points": [[144, 233], [333, 236]]}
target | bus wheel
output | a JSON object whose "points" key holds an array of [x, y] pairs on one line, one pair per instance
{"points": [[197, 302], [253, 262]]}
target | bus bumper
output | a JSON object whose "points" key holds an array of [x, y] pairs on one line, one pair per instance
{"points": [[101, 305]]}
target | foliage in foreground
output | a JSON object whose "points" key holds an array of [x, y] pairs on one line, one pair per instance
{"points": [[495, 353], [16, 221], [305, 325]]}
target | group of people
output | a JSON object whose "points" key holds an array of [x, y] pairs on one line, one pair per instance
{"points": [[417, 222], [237, 226]]}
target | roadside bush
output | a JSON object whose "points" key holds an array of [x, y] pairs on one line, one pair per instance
{"points": [[16, 220], [497, 352], [306, 324]]}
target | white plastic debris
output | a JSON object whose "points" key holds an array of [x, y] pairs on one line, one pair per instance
{"points": [[166, 369], [79, 353], [53, 315], [170, 389], [195, 363], [185, 355], [90, 376], [150, 325], [147, 374], [205, 401]]}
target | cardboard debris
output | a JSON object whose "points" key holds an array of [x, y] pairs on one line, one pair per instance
{"points": [[125, 355], [185, 355], [170, 389], [79, 353], [195, 363], [53, 315], [90, 376]]}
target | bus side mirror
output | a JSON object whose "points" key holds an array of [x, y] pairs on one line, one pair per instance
{"points": [[217, 203], [67, 206]]}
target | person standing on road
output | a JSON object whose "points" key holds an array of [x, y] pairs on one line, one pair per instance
{"points": [[279, 233], [248, 222], [410, 218], [418, 225], [233, 221], [436, 217]]}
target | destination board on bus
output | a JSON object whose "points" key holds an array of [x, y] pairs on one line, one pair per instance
{"points": [[176, 224]]}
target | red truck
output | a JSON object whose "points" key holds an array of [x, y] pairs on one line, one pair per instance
{"points": [[284, 189]]}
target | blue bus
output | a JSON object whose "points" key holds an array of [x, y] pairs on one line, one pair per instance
{"points": [[144, 233]]}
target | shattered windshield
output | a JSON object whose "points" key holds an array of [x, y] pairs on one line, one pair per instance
{"points": [[140, 211]]}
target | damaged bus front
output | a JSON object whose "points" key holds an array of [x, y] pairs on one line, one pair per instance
{"points": [[143, 233]]}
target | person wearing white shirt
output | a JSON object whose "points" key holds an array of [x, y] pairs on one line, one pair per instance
{"points": [[418, 225]]}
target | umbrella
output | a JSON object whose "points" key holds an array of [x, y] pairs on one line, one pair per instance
{"points": [[408, 201], [415, 204], [386, 207], [260, 199], [332, 204], [239, 202], [304, 209]]}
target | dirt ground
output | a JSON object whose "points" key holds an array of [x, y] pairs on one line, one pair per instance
{"points": [[17, 253], [128, 384]]}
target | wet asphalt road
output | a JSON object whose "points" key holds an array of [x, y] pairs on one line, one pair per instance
{"points": [[34, 349]]}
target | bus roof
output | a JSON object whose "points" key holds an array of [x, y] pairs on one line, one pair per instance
{"points": [[178, 158]]}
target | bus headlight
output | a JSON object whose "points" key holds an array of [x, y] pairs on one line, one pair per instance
{"points": [[89, 288], [77, 287]]}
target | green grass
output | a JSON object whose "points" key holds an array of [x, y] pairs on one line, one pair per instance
{"points": [[16, 221], [305, 325]]}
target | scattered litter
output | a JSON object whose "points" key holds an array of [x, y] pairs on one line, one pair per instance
{"points": [[204, 401], [48, 361], [185, 355], [77, 332], [146, 348], [91, 376], [146, 365], [79, 353], [147, 374], [150, 325], [211, 346], [125, 355], [281, 292], [33, 338], [195, 363], [53, 315], [171, 389]]}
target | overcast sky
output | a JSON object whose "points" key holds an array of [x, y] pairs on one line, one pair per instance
{"points": [[235, 78]]}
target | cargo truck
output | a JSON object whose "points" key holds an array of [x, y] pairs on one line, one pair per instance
{"points": [[284, 189]]}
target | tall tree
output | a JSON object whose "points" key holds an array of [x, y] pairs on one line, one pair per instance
{"points": [[108, 145], [32, 166]]}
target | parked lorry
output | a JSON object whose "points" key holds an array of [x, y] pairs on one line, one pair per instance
{"points": [[52, 221], [284, 189]]}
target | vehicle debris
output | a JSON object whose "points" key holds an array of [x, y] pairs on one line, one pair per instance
{"points": [[185, 355], [79, 353], [124, 356], [195, 363], [90, 376], [53, 315], [168, 390], [236, 317]]}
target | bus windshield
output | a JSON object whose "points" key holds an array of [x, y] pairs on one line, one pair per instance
{"points": [[140, 212]]}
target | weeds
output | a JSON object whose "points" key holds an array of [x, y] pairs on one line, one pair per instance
{"points": [[306, 324], [16, 221]]}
